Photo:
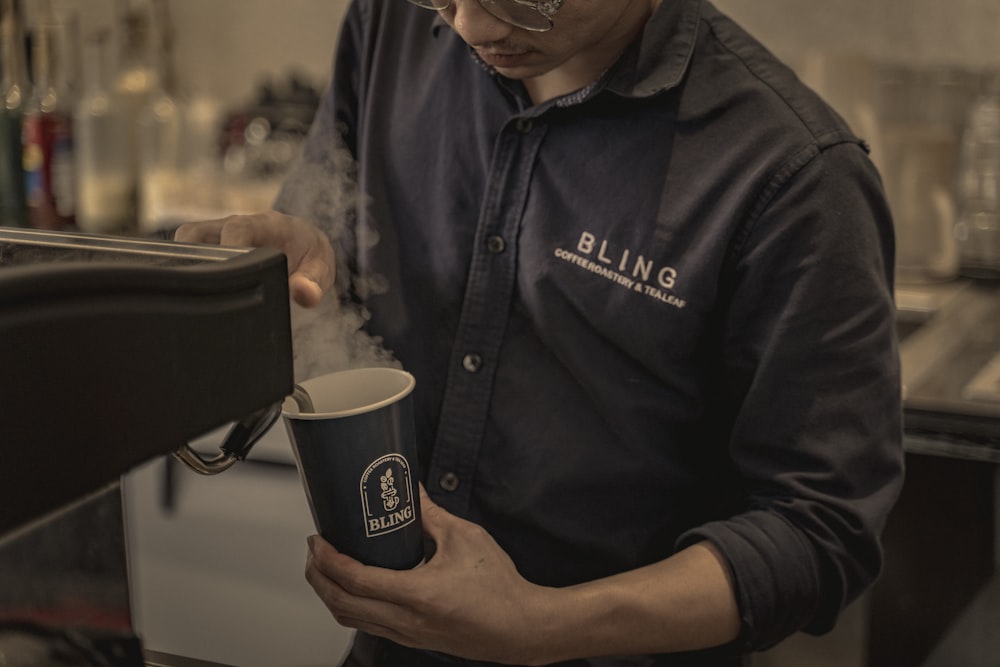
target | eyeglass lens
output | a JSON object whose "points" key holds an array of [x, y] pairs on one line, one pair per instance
{"points": [[520, 14]]}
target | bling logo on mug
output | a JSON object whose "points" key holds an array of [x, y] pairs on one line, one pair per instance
{"points": [[387, 495]]}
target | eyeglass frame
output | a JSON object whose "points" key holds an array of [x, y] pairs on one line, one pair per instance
{"points": [[545, 8]]}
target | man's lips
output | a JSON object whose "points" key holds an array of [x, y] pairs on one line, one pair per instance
{"points": [[504, 60]]}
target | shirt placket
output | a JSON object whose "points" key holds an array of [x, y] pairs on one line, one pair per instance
{"points": [[485, 309]]}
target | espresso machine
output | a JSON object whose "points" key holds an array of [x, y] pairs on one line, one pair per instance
{"points": [[115, 351]]}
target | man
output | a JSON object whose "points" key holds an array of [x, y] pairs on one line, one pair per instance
{"points": [[643, 278]]}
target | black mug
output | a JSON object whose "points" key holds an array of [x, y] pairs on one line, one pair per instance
{"points": [[353, 440]]}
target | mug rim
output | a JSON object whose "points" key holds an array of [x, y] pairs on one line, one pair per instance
{"points": [[370, 407]]}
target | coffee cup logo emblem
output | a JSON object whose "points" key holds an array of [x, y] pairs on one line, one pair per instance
{"points": [[387, 495], [390, 497]]}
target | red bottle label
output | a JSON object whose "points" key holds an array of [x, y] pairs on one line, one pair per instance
{"points": [[48, 171]]}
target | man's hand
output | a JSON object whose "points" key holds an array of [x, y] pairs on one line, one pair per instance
{"points": [[310, 257], [468, 600]]}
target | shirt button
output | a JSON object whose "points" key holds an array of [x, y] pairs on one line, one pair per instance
{"points": [[496, 244], [449, 481], [472, 363], [524, 125]]}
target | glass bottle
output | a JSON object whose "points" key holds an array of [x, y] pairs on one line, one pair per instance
{"points": [[178, 138], [136, 78], [48, 140], [66, 55], [105, 180], [13, 97], [161, 133]]}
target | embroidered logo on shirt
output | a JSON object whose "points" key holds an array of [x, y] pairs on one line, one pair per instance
{"points": [[625, 268], [387, 495]]}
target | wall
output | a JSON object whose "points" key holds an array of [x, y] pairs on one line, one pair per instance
{"points": [[958, 32], [227, 46]]}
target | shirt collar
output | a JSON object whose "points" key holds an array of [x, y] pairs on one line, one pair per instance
{"points": [[658, 59]]}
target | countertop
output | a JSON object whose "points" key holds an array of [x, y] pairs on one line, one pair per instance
{"points": [[157, 659], [950, 355]]}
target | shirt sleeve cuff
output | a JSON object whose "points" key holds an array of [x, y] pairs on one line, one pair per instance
{"points": [[773, 570]]}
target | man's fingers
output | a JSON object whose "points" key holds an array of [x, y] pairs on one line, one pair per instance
{"points": [[247, 231], [305, 291], [313, 275], [257, 230], [209, 231]]}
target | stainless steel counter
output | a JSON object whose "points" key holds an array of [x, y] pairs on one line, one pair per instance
{"points": [[950, 353]]}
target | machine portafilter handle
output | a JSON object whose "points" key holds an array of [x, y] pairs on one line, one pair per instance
{"points": [[241, 438]]}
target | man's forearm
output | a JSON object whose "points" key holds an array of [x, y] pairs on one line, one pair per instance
{"points": [[683, 603]]}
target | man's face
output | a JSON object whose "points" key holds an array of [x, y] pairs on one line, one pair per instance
{"points": [[586, 35]]}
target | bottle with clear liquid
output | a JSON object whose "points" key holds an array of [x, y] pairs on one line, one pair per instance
{"points": [[48, 141], [13, 97], [105, 179], [178, 132], [136, 78], [161, 132]]}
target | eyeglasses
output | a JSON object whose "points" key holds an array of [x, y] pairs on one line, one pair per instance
{"points": [[535, 16]]}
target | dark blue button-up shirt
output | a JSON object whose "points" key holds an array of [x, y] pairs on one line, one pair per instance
{"points": [[655, 311]]}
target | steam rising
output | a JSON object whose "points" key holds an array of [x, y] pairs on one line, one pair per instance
{"points": [[331, 337]]}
